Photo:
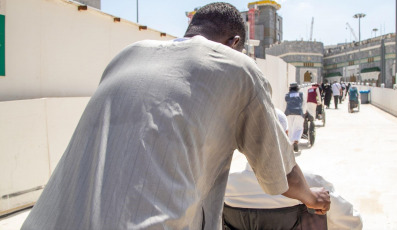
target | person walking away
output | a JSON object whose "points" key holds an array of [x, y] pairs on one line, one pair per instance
{"points": [[347, 88], [327, 95], [294, 113], [353, 97], [313, 99], [342, 96], [336, 91]]}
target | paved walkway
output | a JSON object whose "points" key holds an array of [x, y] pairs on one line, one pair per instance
{"points": [[356, 152]]}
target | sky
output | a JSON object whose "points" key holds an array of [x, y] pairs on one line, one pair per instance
{"points": [[330, 16]]}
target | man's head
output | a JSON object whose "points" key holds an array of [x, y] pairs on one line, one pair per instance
{"points": [[293, 86], [219, 22]]}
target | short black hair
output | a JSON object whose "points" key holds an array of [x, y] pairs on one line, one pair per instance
{"points": [[218, 19]]}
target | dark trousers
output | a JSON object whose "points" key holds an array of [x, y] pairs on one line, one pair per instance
{"points": [[336, 98], [327, 100], [295, 217]]}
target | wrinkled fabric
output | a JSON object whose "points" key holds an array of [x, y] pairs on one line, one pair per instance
{"points": [[153, 147], [243, 191]]}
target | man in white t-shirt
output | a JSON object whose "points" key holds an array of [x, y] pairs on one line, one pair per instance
{"points": [[245, 198], [336, 91]]}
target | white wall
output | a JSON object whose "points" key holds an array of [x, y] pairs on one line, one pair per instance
{"points": [[383, 98], [54, 50], [33, 136], [280, 74]]}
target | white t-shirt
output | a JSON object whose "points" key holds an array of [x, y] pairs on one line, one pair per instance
{"points": [[243, 191], [336, 87], [282, 119]]}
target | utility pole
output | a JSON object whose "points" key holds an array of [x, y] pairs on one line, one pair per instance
{"points": [[311, 30], [359, 16], [137, 11]]}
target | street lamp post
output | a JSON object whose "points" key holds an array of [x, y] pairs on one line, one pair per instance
{"points": [[137, 11], [375, 30], [359, 16]]}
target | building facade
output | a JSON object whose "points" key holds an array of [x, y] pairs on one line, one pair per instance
{"points": [[371, 61], [306, 56]]}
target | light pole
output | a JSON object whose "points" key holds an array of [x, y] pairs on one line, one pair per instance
{"points": [[137, 11], [359, 16], [375, 29]]}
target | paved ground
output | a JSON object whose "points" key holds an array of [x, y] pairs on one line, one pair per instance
{"points": [[356, 152]]}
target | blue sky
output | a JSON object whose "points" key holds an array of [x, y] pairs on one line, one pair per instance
{"points": [[330, 16]]}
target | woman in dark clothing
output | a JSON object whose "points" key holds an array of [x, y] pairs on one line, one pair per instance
{"points": [[328, 95]]}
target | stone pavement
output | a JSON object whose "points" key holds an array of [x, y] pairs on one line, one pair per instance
{"points": [[356, 152]]}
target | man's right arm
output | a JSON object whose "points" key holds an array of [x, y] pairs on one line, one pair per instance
{"points": [[315, 198]]}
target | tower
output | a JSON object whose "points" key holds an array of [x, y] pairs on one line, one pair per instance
{"points": [[266, 23]]}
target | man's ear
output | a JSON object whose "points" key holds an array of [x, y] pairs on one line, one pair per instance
{"points": [[233, 42]]}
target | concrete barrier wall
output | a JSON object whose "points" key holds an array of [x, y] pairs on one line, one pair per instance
{"points": [[33, 136], [55, 50], [383, 98], [280, 74]]}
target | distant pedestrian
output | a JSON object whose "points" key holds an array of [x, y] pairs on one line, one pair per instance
{"points": [[294, 113], [313, 99], [347, 89], [343, 94], [336, 91], [327, 95]]}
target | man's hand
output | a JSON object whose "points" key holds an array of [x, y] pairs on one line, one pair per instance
{"points": [[321, 202], [314, 198]]}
